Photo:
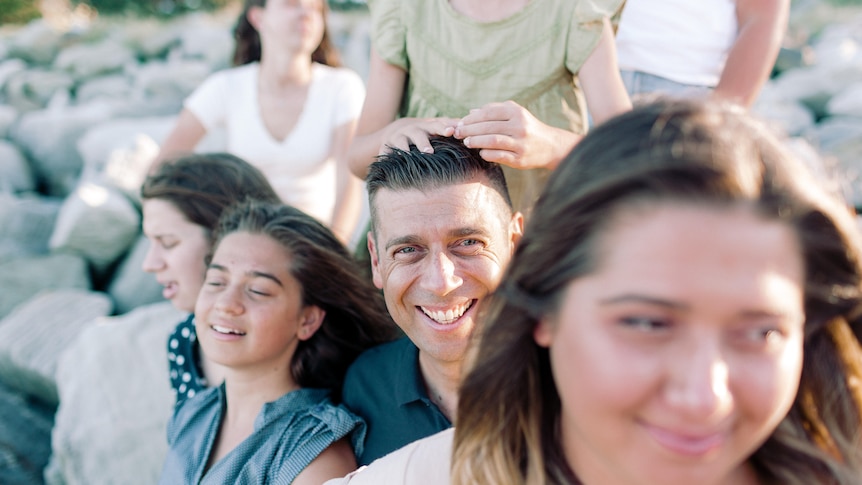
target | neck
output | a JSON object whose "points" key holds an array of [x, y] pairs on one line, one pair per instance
{"points": [[246, 394], [442, 380], [281, 69]]}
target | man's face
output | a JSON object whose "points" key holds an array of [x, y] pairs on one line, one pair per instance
{"points": [[436, 255]]}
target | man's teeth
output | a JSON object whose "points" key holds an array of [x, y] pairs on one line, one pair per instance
{"points": [[220, 329], [448, 316]]}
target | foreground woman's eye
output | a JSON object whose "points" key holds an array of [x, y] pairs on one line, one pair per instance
{"points": [[646, 324], [761, 337]]}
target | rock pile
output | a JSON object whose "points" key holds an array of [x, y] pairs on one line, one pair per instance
{"points": [[82, 112], [817, 95]]}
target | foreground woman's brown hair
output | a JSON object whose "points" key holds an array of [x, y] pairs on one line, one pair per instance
{"points": [[508, 428]]}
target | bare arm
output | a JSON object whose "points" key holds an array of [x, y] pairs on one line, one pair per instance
{"points": [[509, 134], [762, 24], [186, 134], [377, 125], [348, 191], [335, 462], [600, 78]]}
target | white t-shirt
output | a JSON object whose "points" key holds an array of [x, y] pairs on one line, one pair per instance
{"points": [[300, 167], [686, 41], [426, 461]]}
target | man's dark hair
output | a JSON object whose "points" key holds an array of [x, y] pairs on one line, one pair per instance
{"points": [[451, 163]]}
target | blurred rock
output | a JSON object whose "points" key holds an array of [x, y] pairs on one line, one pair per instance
{"points": [[793, 58], [85, 61], [32, 89], [150, 38], [22, 279], [49, 138], [210, 43], [34, 335], [119, 152], [15, 172], [8, 68], [115, 401], [839, 45], [131, 287], [25, 437], [840, 139], [123, 149], [27, 224], [97, 222], [834, 131], [117, 86], [8, 116], [847, 102], [173, 80], [790, 117], [36, 43]]}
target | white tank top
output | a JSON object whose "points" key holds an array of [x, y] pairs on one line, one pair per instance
{"points": [[682, 40]]}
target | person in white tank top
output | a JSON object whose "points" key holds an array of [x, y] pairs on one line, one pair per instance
{"points": [[692, 48]]}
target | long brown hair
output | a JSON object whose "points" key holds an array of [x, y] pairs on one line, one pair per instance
{"points": [[247, 40], [508, 416], [202, 186], [356, 317]]}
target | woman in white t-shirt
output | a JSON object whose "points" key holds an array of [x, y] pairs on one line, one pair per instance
{"points": [[286, 108], [720, 48]]}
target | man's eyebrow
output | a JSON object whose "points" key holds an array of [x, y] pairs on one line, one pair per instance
{"points": [[408, 240], [411, 239], [469, 231]]}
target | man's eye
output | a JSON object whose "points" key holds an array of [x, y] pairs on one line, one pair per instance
{"points": [[406, 250], [469, 242]]}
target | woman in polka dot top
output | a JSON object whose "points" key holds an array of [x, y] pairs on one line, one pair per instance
{"points": [[182, 202]]}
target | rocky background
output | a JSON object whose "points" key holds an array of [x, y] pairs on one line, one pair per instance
{"points": [[84, 102]]}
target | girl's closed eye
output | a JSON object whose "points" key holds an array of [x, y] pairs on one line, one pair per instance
{"points": [[167, 243], [259, 291]]}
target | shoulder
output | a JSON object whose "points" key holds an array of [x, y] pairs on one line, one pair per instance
{"points": [[240, 74], [378, 360], [312, 409], [337, 77], [423, 461], [193, 413]]}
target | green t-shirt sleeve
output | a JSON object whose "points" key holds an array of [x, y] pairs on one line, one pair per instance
{"points": [[388, 33], [586, 29]]}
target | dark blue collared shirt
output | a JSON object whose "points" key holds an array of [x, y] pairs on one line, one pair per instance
{"points": [[385, 387]]}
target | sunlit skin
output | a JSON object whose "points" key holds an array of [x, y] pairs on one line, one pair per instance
{"points": [[176, 253], [437, 254], [679, 355], [293, 25], [249, 314]]}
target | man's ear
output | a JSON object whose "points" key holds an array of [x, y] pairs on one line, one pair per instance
{"points": [[312, 319], [376, 277]]}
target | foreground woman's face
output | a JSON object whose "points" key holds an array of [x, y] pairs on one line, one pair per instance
{"points": [[682, 352]]}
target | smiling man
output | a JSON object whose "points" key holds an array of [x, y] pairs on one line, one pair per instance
{"points": [[442, 232]]}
